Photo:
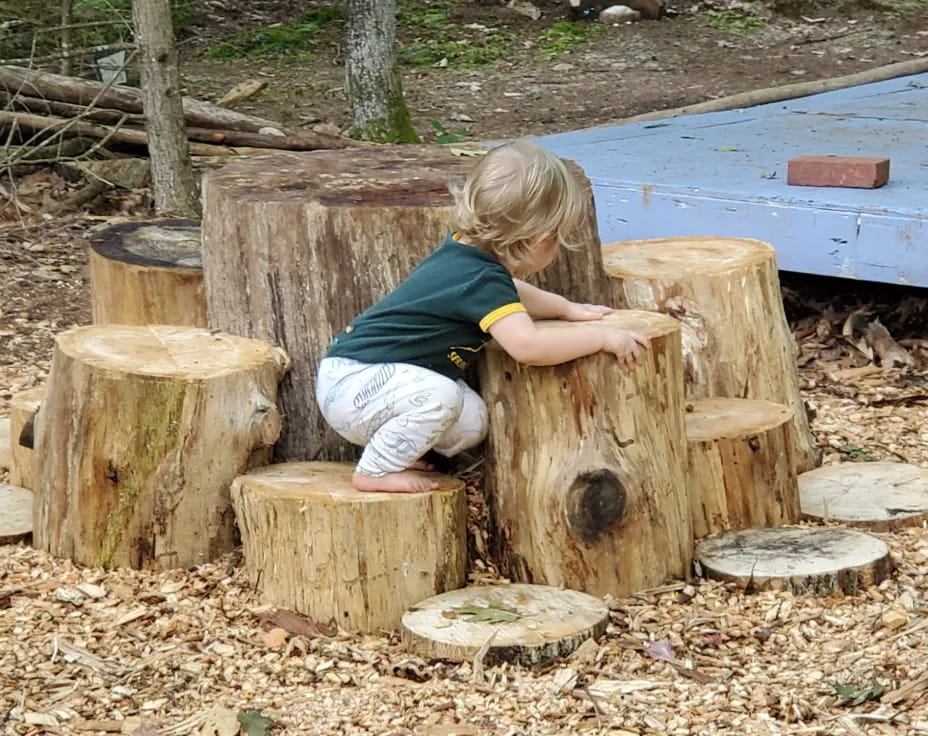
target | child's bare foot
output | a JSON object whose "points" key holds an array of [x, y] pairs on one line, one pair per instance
{"points": [[421, 465], [406, 481]]}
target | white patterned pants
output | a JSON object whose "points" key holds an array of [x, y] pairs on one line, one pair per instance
{"points": [[398, 412]]}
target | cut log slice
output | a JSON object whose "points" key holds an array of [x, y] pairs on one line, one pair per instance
{"points": [[148, 273], [295, 246], [586, 462], [877, 496], [741, 472], [314, 544], [23, 407], [818, 561], [726, 294], [140, 433], [15, 514], [525, 624]]}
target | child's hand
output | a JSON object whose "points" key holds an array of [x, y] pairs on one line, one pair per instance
{"points": [[626, 345], [585, 312]]}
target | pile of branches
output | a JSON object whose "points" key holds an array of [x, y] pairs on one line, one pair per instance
{"points": [[47, 118]]}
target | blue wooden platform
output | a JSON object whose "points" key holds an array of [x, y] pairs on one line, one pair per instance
{"points": [[725, 174]]}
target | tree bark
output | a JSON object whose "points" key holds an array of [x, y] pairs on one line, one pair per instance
{"points": [[148, 273], [140, 433], [741, 472], [65, 67], [372, 76], [23, 407], [585, 465], [295, 246], [173, 184], [315, 545], [726, 294]]}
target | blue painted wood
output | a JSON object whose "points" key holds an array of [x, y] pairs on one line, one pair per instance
{"points": [[724, 174]]}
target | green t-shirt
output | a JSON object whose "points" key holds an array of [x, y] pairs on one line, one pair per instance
{"points": [[438, 317]]}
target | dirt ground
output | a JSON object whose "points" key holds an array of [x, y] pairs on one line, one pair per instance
{"points": [[177, 652]]}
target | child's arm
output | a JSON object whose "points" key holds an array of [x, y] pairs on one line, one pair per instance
{"points": [[529, 343], [541, 304]]}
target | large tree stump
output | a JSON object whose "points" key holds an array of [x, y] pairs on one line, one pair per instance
{"points": [[315, 545], [23, 407], [527, 624], [296, 245], [148, 273], [741, 472], [585, 465], [726, 294], [140, 433]]}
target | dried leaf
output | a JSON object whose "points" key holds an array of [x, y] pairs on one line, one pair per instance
{"points": [[297, 624], [275, 638], [255, 724]]}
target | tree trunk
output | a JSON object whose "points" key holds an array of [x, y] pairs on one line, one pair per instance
{"points": [[23, 407], [585, 466], [65, 67], [726, 294], [741, 471], [173, 183], [372, 76], [295, 246], [543, 624], [148, 273], [314, 544], [140, 434]]}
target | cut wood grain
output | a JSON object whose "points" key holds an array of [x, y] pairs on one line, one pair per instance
{"points": [[585, 465], [315, 545], [529, 624], [725, 292], [15, 514], [23, 406], [804, 560]]}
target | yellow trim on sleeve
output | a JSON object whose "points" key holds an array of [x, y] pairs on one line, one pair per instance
{"points": [[497, 314]]}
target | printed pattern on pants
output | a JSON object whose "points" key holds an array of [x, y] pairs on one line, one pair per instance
{"points": [[398, 412]]}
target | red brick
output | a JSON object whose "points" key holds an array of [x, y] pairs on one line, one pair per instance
{"points": [[861, 172]]}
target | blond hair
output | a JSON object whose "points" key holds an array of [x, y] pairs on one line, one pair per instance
{"points": [[517, 193]]}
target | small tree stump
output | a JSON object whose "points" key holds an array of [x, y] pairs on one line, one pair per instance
{"points": [[529, 624], [295, 246], [148, 273], [877, 496], [23, 407], [315, 545], [140, 434], [741, 472], [726, 294], [585, 465], [15, 514], [805, 560]]}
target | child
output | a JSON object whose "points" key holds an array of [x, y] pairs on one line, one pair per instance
{"points": [[392, 380]]}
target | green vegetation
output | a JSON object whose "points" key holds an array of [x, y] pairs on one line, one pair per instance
{"points": [[296, 37], [736, 22], [855, 453], [565, 36], [434, 39], [443, 135]]}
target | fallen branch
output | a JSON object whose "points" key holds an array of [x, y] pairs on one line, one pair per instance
{"points": [[44, 106], [69, 53], [302, 142]]}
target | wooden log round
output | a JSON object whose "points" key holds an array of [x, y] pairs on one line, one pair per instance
{"points": [[296, 245], [726, 294], [23, 407], [15, 514], [741, 472], [315, 545], [140, 433], [525, 624], [804, 560], [148, 273], [585, 465], [876, 496]]}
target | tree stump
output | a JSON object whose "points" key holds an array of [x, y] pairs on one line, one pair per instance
{"points": [[23, 407], [315, 545], [726, 294], [15, 514], [148, 273], [140, 433], [877, 496], [741, 472], [804, 560], [296, 245], [585, 465], [525, 624]]}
